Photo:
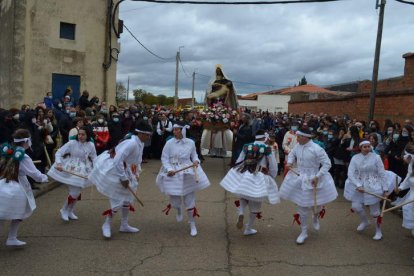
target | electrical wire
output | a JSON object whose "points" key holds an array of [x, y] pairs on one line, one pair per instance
{"points": [[236, 2], [182, 66], [148, 50], [405, 2]]}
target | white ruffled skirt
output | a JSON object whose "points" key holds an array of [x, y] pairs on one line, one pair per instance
{"points": [[107, 182], [16, 199], [181, 183], [76, 166], [351, 194], [222, 139], [251, 186], [298, 189]]}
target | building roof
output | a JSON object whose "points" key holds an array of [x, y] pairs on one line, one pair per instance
{"points": [[307, 88]]}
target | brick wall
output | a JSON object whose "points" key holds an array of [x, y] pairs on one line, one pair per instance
{"points": [[396, 106]]}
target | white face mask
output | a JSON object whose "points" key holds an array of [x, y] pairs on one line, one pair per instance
{"points": [[16, 116], [100, 121], [34, 120]]}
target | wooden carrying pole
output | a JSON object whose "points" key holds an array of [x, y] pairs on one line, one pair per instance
{"points": [[380, 197], [185, 168]]}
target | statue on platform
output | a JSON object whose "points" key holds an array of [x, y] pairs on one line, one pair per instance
{"points": [[221, 89], [222, 105]]}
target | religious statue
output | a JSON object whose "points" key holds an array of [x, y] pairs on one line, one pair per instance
{"points": [[222, 106]]}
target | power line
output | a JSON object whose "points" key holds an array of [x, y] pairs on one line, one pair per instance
{"points": [[405, 2], [236, 2], [148, 50], [182, 66]]}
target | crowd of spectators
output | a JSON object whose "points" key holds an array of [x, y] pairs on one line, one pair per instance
{"points": [[53, 122]]}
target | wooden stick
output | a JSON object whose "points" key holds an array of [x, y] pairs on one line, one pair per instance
{"points": [[185, 168], [381, 197], [315, 206], [383, 208], [396, 190], [37, 161], [197, 179], [135, 195], [399, 206], [47, 157], [295, 172], [75, 174]]}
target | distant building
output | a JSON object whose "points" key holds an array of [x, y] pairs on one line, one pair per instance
{"points": [[277, 100], [51, 45]]}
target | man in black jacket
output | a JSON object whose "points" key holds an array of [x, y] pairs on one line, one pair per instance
{"points": [[242, 136]]}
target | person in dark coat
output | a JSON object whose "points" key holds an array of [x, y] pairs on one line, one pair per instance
{"points": [[115, 130], [243, 136], [84, 101]]}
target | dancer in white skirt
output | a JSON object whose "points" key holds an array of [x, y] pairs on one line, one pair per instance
{"points": [[252, 179], [16, 197], [116, 170], [180, 152], [408, 183], [80, 155], [313, 187], [366, 173]]}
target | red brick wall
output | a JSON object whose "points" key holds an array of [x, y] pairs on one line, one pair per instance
{"points": [[396, 106]]}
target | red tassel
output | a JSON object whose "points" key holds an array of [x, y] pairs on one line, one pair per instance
{"points": [[131, 208], [237, 203], [167, 209], [71, 200], [296, 218], [195, 212], [322, 212], [259, 215], [379, 220], [107, 213]]}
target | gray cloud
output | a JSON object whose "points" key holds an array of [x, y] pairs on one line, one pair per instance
{"points": [[327, 42]]}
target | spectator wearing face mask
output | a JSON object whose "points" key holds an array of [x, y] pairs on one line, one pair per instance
{"points": [[395, 150], [115, 130], [127, 122], [101, 132], [65, 124]]}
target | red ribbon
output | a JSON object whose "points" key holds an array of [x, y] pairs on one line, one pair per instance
{"points": [[379, 220], [131, 208], [237, 203], [167, 209], [322, 212], [72, 199], [195, 212], [259, 215], [296, 218], [107, 213]]}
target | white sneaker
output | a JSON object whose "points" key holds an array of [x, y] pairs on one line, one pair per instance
{"points": [[193, 229], [316, 224], [302, 237], [239, 224], [72, 215], [14, 242], [106, 230], [249, 231], [64, 214], [126, 228], [362, 226], [378, 235]]}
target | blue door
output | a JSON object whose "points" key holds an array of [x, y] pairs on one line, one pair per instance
{"points": [[61, 82]]}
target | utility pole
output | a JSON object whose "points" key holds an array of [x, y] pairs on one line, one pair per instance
{"points": [[376, 60], [127, 97], [192, 92], [177, 60]]}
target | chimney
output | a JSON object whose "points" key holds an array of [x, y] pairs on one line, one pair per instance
{"points": [[409, 65]]}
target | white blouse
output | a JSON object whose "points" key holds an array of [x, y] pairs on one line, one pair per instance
{"points": [[177, 153], [76, 150]]}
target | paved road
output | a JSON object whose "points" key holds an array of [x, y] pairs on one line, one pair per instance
{"points": [[164, 247]]}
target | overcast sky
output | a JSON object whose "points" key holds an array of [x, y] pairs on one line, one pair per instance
{"points": [[274, 45]]}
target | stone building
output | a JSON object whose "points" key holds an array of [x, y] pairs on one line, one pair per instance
{"points": [[50, 45]]}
